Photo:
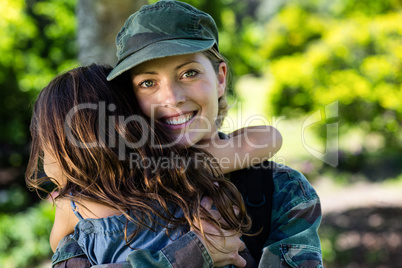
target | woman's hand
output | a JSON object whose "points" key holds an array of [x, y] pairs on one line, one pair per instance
{"points": [[224, 246]]}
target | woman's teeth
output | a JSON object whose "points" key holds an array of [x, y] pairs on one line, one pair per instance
{"points": [[178, 120]]}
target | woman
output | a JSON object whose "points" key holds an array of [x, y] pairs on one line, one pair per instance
{"points": [[170, 49]]}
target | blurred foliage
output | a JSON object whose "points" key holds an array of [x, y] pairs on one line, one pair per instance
{"points": [[25, 236], [346, 51], [38, 42], [13, 199]]}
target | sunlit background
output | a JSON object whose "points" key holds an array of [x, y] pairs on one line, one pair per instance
{"points": [[326, 73]]}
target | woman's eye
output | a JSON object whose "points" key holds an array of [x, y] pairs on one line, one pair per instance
{"points": [[147, 83], [190, 73]]}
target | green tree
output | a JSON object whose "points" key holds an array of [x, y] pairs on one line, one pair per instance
{"points": [[346, 51], [38, 42], [25, 236]]}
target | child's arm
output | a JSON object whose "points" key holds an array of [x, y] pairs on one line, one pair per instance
{"points": [[246, 147], [64, 222]]}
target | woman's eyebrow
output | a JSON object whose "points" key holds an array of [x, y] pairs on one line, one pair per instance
{"points": [[147, 72], [140, 72], [185, 63]]}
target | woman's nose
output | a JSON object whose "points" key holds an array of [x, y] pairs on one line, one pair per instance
{"points": [[172, 94]]}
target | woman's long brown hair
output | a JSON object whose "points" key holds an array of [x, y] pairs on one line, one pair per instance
{"points": [[90, 126]]}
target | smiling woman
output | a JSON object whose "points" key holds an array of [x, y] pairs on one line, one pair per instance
{"points": [[182, 93]]}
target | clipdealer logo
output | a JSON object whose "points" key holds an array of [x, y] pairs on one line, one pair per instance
{"points": [[327, 115]]}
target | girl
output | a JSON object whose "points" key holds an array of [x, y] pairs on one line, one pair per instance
{"points": [[121, 183]]}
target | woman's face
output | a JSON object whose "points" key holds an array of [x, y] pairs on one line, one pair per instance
{"points": [[181, 92]]}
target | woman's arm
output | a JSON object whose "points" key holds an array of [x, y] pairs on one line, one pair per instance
{"points": [[296, 217], [175, 254], [245, 147]]}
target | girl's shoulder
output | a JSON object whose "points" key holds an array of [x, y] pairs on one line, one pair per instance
{"points": [[93, 210], [68, 214]]}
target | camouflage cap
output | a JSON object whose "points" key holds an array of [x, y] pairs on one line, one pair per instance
{"points": [[166, 28]]}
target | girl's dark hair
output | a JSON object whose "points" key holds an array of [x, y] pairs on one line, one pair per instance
{"points": [[94, 128]]}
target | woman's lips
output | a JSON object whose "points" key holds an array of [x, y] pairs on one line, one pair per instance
{"points": [[178, 121]]}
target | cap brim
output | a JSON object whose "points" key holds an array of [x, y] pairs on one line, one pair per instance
{"points": [[158, 50]]}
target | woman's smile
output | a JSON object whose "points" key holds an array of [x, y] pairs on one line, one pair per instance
{"points": [[178, 120]]}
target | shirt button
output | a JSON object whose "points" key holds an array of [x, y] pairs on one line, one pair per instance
{"points": [[55, 255]]}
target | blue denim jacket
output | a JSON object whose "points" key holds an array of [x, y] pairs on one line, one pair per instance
{"points": [[293, 240], [102, 240]]}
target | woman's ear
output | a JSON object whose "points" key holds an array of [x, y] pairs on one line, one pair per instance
{"points": [[222, 79]]}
